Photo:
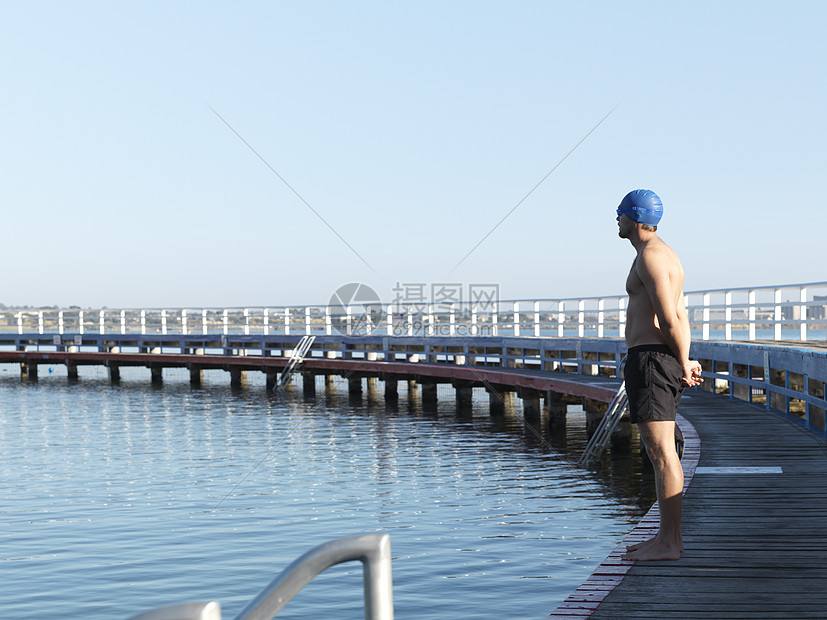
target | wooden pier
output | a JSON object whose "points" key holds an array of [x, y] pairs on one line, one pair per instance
{"points": [[753, 528]]}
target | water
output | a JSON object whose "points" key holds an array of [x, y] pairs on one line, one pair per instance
{"points": [[118, 499]]}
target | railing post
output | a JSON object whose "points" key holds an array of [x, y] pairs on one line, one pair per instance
{"points": [[751, 300], [561, 319], [495, 317], [536, 319], [348, 320], [266, 321], [143, 322], [246, 321], [328, 321], [80, 321], [621, 317], [307, 320], [20, 322], [516, 318], [40, 322], [101, 322], [473, 320], [287, 321], [601, 307], [707, 299], [60, 322], [581, 318], [164, 321], [803, 312], [431, 322], [728, 315], [183, 321], [778, 317], [389, 320], [226, 321], [204, 321], [123, 321], [453, 325]]}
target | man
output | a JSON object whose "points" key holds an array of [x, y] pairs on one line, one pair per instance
{"points": [[657, 365]]}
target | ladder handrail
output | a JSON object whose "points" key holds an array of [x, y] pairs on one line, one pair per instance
{"points": [[604, 431], [297, 356], [373, 550]]}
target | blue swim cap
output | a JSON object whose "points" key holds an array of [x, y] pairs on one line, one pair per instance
{"points": [[642, 205]]}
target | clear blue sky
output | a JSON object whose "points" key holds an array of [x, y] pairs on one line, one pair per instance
{"points": [[412, 129]]}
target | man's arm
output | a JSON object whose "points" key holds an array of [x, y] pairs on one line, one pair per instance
{"points": [[663, 284]]}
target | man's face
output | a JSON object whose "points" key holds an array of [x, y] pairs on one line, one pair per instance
{"points": [[624, 226]]}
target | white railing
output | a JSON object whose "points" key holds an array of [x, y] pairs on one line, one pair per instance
{"points": [[784, 312]]}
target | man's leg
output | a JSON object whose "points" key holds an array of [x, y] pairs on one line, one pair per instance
{"points": [[659, 438]]}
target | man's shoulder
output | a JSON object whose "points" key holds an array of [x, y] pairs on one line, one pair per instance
{"points": [[657, 257], [657, 249]]}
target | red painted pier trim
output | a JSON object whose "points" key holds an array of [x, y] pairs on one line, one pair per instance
{"points": [[584, 600], [595, 388]]}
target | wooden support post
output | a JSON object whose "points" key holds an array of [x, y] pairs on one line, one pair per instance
{"points": [[371, 385], [28, 371], [622, 436], [531, 404], [557, 410], [157, 373], [411, 387], [354, 386], [465, 392], [114, 374], [429, 393], [595, 410], [309, 384], [496, 401], [71, 371], [391, 389], [238, 378], [196, 375], [270, 380]]}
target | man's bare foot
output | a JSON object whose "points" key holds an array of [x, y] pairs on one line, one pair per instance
{"points": [[641, 545], [653, 551]]}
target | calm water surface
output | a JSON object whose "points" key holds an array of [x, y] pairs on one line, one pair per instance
{"points": [[118, 499]]}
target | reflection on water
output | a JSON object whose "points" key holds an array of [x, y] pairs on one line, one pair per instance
{"points": [[120, 498]]}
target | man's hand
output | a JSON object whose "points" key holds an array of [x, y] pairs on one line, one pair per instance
{"points": [[692, 374]]}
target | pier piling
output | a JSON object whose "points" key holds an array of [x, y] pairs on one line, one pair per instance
{"points": [[309, 384], [391, 389], [465, 392]]}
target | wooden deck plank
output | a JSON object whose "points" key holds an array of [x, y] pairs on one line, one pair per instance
{"points": [[755, 543]]}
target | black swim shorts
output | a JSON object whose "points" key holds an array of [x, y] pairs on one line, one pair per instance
{"points": [[653, 383]]}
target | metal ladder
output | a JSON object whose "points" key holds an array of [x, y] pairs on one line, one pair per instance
{"points": [[296, 357], [601, 437]]}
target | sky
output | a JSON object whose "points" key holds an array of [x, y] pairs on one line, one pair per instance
{"points": [[215, 154]]}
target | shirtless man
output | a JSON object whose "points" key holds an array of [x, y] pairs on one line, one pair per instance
{"points": [[658, 365]]}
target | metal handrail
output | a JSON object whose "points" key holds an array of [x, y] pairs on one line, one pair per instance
{"points": [[373, 550]]}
